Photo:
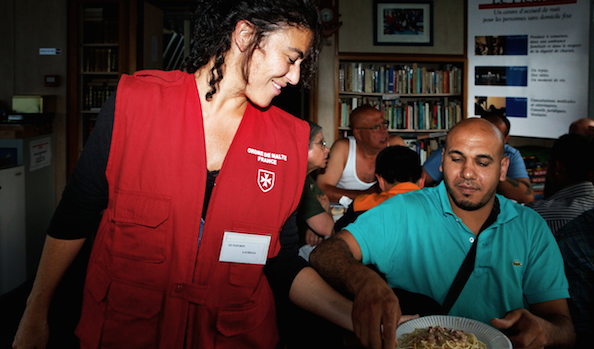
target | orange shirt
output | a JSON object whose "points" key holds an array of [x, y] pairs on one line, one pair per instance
{"points": [[366, 201]]}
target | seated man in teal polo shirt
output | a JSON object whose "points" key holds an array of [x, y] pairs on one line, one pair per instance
{"points": [[516, 186], [419, 240]]}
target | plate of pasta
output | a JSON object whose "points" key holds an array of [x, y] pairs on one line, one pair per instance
{"points": [[452, 332]]}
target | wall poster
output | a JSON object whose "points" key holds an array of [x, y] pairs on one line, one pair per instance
{"points": [[40, 153], [529, 60]]}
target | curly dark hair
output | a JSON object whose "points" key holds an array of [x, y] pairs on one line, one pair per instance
{"points": [[215, 21]]}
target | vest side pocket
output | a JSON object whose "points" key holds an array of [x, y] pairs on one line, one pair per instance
{"points": [[93, 312], [140, 227], [243, 320], [132, 316]]}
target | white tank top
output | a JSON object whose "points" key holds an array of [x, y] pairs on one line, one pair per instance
{"points": [[349, 179]]}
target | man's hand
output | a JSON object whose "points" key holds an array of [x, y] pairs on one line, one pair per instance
{"points": [[524, 329], [376, 313], [376, 310], [546, 324]]}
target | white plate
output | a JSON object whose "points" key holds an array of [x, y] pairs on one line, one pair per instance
{"points": [[492, 337]]}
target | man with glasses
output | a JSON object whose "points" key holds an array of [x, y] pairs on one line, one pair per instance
{"points": [[351, 164]]}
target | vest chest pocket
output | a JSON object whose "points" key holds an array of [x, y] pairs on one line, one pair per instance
{"points": [[249, 275], [140, 228]]}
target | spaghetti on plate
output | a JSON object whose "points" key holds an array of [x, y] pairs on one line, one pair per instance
{"points": [[437, 337]]}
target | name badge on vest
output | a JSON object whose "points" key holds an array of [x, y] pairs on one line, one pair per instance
{"points": [[244, 248]]}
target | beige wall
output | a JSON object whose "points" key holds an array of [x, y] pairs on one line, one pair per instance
{"points": [[25, 27], [326, 89], [356, 35]]}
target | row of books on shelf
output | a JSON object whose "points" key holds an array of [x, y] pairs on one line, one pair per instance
{"points": [[423, 147], [100, 32], [537, 171], [399, 79], [96, 93], [412, 115], [100, 60]]}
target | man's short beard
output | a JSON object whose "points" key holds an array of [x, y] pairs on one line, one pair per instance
{"points": [[464, 204], [468, 206]]}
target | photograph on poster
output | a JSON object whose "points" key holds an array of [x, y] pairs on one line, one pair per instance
{"points": [[506, 106], [403, 23], [501, 45], [500, 76]]}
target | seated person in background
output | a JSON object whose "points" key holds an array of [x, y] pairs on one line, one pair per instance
{"points": [[313, 217], [515, 186], [583, 126], [568, 190], [313, 222], [398, 170], [576, 240], [351, 165], [419, 240]]}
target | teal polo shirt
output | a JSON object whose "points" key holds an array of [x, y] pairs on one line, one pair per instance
{"points": [[419, 244]]}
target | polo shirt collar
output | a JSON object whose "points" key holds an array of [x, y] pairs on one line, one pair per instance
{"points": [[507, 209]]}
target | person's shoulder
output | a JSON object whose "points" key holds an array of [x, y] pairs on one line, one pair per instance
{"points": [[340, 146], [581, 225], [341, 142], [524, 224], [425, 198], [159, 77], [509, 150], [282, 117], [546, 204], [526, 214], [395, 140], [364, 202]]}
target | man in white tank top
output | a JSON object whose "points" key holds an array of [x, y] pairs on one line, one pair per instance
{"points": [[351, 163]]}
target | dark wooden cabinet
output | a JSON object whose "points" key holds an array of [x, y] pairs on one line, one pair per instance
{"points": [[101, 48]]}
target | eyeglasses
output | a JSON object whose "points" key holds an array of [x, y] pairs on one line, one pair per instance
{"points": [[378, 127], [323, 143]]}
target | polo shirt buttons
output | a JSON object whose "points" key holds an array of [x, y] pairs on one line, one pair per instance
{"points": [[179, 288], [471, 240]]}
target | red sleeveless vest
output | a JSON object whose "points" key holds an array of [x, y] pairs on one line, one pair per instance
{"points": [[149, 283]]}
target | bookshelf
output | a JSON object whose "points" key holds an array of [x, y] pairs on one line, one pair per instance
{"points": [[100, 52], [418, 94], [421, 96]]}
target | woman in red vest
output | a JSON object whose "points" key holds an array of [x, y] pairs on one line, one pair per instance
{"points": [[193, 181]]}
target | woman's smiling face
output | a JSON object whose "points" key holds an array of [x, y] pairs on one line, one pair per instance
{"points": [[277, 63]]}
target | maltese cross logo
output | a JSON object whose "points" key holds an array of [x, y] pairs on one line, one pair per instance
{"points": [[265, 180]]}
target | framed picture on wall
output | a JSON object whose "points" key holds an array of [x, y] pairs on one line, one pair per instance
{"points": [[403, 23]]}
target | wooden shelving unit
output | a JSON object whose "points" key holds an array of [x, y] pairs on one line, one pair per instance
{"points": [[100, 51], [421, 95]]}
